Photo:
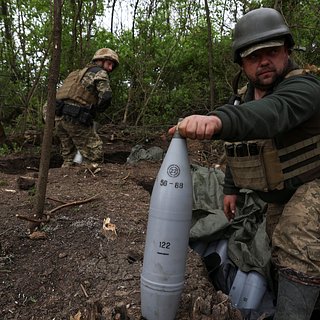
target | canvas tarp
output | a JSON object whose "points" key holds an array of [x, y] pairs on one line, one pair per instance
{"points": [[248, 243]]}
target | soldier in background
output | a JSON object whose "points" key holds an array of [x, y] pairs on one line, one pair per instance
{"points": [[84, 93], [273, 135]]}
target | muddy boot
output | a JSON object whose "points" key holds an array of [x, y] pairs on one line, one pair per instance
{"points": [[295, 301]]}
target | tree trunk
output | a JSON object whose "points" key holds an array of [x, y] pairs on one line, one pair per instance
{"points": [[112, 15], [3, 138], [47, 138], [210, 57]]}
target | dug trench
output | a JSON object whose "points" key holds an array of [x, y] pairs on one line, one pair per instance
{"points": [[73, 267]]}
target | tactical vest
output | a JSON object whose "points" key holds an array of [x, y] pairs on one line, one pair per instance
{"points": [[259, 165], [73, 89]]}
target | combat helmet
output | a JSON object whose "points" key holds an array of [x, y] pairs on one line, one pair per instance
{"points": [[106, 54], [258, 26]]}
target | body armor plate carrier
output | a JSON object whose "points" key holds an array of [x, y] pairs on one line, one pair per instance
{"points": [[73, 89], [259, 165]]}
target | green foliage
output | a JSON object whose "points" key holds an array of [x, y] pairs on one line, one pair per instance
{"points": [[32, 192], [4, 183], [163, 72], [5, 150]]}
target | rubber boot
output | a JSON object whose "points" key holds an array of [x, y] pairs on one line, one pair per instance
{"points": [[295, 301]]}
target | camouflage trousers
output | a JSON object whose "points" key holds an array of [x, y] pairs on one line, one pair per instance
{"points": [[76, 136], [295, 232]]}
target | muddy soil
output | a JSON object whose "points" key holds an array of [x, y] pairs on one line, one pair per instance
{"points": [[73, 268]]}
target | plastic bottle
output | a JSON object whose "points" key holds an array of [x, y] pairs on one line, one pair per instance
{"points": [[169, 222], [78, 157]]}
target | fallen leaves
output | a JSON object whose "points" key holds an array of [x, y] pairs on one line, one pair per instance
{"points": [[76, 317]]}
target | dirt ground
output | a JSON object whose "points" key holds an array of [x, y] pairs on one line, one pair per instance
{"points": [[73, 268]]}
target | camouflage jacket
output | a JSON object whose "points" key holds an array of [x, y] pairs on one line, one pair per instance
{"points": [[88, 87]]}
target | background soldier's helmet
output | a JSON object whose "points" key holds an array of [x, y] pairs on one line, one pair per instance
{"points": [[258, 26], [106, 54]]}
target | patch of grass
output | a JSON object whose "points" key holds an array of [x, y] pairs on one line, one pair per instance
{"points": [[3, 183], [5, 150], [32, 191]]}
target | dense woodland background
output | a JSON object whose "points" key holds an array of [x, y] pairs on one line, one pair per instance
{"points": [[175, 54]]}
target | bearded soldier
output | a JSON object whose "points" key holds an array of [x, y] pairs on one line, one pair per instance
{"points": [[272, 134]]}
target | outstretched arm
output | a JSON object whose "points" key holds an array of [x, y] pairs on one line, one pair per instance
{"points": [[198, 127]]}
